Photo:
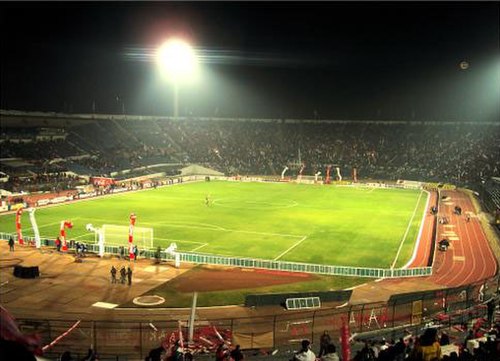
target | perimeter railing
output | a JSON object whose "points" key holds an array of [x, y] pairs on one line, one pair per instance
{"points": [[286, 266]]}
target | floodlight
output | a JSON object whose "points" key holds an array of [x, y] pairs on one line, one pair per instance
{"points": [[177, 60]]}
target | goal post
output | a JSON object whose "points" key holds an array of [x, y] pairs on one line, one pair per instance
{"points": [[117, 235]]}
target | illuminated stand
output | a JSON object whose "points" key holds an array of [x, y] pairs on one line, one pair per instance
{"points": [[283, 173], [34, 226], [99, 233], [171, 250]]}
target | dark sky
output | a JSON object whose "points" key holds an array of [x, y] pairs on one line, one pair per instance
{"points": [[356, 60]]}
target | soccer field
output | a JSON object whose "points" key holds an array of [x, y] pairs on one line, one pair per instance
{"points": [[350, 226]]}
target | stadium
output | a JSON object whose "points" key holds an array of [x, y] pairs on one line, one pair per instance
{"points": [[133, 235]]}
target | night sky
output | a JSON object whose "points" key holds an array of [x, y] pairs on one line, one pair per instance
{"points": [[330, 60]]}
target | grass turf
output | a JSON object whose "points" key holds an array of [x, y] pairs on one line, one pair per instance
{"points": [[292, 222]]}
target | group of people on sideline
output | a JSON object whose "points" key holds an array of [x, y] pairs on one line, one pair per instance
{"points": [[125, 275]]}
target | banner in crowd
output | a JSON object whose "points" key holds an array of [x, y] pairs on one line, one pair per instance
{"points": [[101, 181]]}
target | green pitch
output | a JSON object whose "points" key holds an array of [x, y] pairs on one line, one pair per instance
{"points": [[292, 222]]}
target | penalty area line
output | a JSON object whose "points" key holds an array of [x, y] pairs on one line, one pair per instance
{"points": [[179, 240], [292, 247], [197, 248], [54, 223]]}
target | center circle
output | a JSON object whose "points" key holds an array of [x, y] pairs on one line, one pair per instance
{"points": [[152, 300]]}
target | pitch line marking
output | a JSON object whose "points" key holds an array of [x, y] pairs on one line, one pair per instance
{"points": [[406, 232], [188, 225], [208, 226], [179, 240], [222, 229], [290, 248], [54, 223], [197, 248], [82, 235], [421, 230]]}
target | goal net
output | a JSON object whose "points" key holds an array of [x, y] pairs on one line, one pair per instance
{"points": [[118, 236]]}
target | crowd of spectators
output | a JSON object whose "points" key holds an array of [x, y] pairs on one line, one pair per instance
{"points": [[52, 181], [463, 154], [430, 347]]}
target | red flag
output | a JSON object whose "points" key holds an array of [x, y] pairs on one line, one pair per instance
{"points": [[344, 336]]}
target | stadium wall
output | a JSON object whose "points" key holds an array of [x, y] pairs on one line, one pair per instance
{"points": [[133, 337]]}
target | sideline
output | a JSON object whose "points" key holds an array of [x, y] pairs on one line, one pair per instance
{"points": [[407, 230], [419, 237], [292, 247]]}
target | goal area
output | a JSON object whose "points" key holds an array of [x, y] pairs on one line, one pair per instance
{"points": [[118, 236]]}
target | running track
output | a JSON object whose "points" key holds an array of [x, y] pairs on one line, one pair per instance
{"points": [[469, 258]]}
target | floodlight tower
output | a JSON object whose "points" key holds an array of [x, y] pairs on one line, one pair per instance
{"points": [[179, 64]]}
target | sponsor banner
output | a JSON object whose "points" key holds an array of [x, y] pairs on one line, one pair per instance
{"points": [[89, 188], [409, 184], [251, 179], [87, 195], [435, 186], [101, 181], [119, 190], [42, 202], [342, 183], [60, 199], [376, 185], [304, 181], [45, 201]]}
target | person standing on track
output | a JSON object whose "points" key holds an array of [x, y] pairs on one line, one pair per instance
{"points": [[136, 252], [113, 274], [129, 275], [123, 274]]}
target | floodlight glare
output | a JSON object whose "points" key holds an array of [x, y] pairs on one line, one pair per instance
{"points": [[177, 60]]}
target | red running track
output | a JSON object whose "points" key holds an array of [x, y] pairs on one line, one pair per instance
{"points": [[424, 247], [469, 258]]}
